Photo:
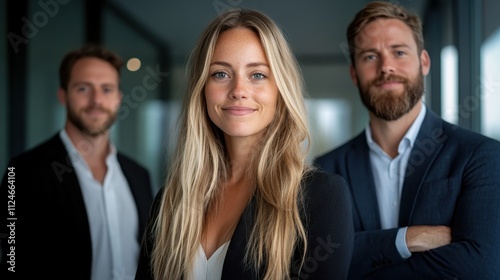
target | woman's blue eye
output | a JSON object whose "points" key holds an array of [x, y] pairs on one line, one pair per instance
{"points": [[258, 76], [219, 75]]}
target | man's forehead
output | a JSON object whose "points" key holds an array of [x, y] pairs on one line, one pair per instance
{"points": [[394, 30]]}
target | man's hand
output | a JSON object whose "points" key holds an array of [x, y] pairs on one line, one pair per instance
{"points": [[423, 238]]}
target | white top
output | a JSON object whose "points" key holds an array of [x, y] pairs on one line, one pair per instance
{"points": [[210, 269], [112, 215]]}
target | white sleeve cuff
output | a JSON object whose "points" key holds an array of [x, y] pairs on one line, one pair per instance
{"points": [[401, 243]]}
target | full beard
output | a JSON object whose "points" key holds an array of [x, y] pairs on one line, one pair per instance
{"points": [[91, 130], [389, 105]]}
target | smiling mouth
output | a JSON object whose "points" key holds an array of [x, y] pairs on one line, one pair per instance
{"points": [[95, 112], [388, 84], [238, 111]]}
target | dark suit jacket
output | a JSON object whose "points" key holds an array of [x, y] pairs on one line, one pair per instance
{"points": [[453, 179], [327, 216], [51, 234]]}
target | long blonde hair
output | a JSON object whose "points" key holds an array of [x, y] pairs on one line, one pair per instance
{"points": [[200, 163]]}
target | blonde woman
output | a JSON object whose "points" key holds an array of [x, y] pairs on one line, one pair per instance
{"points": [[240, 201]]}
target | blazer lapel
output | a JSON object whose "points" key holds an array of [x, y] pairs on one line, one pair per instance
{"points": [[68, 183], [234, 267], [362, 185], [429, 142]]}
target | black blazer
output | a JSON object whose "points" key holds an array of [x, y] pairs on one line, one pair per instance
{"points": [[328, 219], [453, 179], [51, 234]]}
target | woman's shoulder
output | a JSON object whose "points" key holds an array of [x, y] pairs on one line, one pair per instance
{"points": [[329, 224], [325, 192], [319, 181]]}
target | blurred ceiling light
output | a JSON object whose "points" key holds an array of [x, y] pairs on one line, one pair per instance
{"points": [[133, 64]]}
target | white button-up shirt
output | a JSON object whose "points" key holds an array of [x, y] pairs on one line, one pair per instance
{"points": [[112, 215], [389, 175]]}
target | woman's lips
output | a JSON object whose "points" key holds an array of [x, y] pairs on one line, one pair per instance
{"points": [[238, 110]]}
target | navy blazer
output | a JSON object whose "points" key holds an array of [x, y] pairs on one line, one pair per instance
{"points": [[327, 216], [452, 179], [51, 233]]}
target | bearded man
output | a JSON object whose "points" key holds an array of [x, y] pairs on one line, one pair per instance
{"points": [[80, 205], [425, 192]]}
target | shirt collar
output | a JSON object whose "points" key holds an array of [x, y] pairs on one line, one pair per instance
{"points": [[74, 153], [411, 134]]}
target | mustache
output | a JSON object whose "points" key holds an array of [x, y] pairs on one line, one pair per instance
{"points": [[389, 78], [93, 108]]}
